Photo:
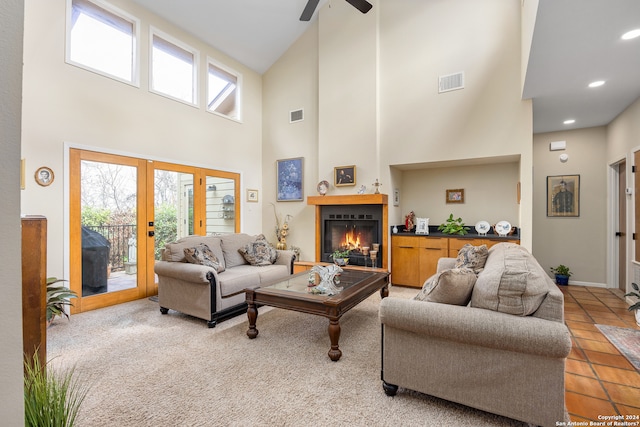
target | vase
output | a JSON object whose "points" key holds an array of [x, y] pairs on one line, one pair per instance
{"points": [[562, 279]]}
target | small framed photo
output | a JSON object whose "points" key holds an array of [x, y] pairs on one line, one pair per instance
{"points": [[252, 196], [563, 196], [422, 226], [290, 177], [455, 196], [44, 176], [344, 175]]}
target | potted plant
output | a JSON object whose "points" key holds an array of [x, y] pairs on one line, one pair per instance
{"points": [[453, 226], [562, 273], [340, 256], [57, 298], [635, 307]]}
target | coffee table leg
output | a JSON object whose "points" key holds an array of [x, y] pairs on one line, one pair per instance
{"points": [[384, 292], [334, 336], [252, 313]]}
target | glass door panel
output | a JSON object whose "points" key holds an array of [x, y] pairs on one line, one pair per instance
{"points": [[109, 197], [220, 205], [173, 207]]}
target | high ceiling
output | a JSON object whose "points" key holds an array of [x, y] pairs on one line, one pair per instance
{"points": [[575, 42]]}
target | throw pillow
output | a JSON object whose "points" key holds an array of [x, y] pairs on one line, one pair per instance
{"points": [[473, 257], [202, 255], [449, 287], [259, 253]]}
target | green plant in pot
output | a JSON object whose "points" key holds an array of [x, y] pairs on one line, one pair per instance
{"points": [[340, 256], [453, 226], [562, 274], [635, 307], [57, 298]]}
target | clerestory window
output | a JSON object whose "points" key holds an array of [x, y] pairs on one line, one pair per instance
{"points": [[102, 39], [174, 68], [223, 90]]}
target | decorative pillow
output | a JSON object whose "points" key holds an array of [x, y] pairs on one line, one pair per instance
{"points": [[473, 257], [202, 255], [259, 253], [512, 282], [449, 287]]}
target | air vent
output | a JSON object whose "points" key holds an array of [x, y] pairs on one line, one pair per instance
{"points": [[296, 116], [450, 82]]}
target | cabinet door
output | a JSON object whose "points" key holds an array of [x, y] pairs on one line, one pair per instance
{"points": [[431, 250], [404, 261]]}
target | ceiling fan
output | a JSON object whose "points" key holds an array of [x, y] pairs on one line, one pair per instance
{"points": [[362, 5]]}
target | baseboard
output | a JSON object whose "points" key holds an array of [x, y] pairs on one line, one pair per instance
{"points": [[588, 284]]}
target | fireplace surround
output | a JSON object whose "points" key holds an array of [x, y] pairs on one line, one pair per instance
{"points": [[351, 222]]}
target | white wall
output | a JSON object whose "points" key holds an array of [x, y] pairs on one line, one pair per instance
{"points": [[578, 242], [12, 391], [67, 104]]}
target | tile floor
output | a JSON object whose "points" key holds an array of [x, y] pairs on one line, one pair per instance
{"points": [[598, 379]]}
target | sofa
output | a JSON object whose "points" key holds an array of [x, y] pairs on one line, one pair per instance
{"points": [[205, 276], [489, 335]]}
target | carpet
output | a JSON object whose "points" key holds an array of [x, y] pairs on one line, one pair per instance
{"points": [[626, 340], [148, 369]]}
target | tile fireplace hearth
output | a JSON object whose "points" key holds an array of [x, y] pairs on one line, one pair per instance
{"points": [[351, 222]]}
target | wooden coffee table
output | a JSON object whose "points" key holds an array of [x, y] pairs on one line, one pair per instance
{"points": [[295, 294]]}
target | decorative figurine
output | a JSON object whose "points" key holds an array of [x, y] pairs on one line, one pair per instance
{"points": [[377, 186], [327, 276]]}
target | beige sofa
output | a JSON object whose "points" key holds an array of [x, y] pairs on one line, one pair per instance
{"points": [[216, 291], [504, 352]]}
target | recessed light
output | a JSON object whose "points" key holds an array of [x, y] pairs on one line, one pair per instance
{"points": [[631, 34], [569, 122], [597, 83]]}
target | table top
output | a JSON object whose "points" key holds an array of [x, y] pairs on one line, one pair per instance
{"points": [[348, 278]]}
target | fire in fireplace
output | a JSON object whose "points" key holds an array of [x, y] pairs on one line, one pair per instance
{"points": [[351, 227]]}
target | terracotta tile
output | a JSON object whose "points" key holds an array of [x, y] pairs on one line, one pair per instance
{"points": [[579, 367], [604, 347], [581, 325], [614, 360], [601, 320], [580, 317], [591, 335], [584, 385], [587, 407], [628, 410], [596, 308], [576, 418], [578, 354], [623, 394], [617, 375]]}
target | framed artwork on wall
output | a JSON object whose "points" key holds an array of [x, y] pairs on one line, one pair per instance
{"points": [[455, 196], [252, 196], [563, 196], [344, 175], [290, 179], [44, 176]]}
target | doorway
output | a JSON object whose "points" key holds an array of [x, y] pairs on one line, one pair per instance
{"points": [[123, 210]]}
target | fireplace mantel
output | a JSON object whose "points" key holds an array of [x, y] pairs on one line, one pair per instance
{"points": [[352, 199]]}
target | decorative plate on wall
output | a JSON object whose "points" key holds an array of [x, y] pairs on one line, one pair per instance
{"points": [[483, 227], [323, 186]]}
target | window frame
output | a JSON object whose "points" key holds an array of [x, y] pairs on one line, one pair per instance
{"points": [[154, 31], [239, 85], [135, 22]]}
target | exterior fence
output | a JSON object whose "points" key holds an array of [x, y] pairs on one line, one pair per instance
{"points": [[118, 236]]}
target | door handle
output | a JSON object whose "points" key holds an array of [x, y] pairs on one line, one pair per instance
{"points": [[151, 233], [619, 234]]}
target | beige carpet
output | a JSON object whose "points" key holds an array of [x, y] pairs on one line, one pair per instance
{"points": [[147, 369]]}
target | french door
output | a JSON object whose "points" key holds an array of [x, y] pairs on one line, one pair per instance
{"points": [[122, 212]]}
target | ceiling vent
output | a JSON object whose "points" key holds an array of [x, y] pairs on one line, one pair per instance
{"points": [[296, 116], [450, 82]]}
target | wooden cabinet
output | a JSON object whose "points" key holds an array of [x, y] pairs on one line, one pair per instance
{"points": [[415, 258]]}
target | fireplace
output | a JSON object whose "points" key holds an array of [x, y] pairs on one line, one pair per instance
{"points": [[351, 227], [351, 222]]}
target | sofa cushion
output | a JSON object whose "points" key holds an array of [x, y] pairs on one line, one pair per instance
{"points": [[259, 253], [473, 257], [201, 254], [449, 287], [231, 244], [512, 281], [175, 251]]}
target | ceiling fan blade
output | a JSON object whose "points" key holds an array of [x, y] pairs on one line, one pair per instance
{"points": [[307, 13], [362, 5]]}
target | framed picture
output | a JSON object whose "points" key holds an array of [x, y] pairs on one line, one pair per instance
{"points": [[252, 196], [344, 175], [290, 176], [455, 196], [422, 226], [563, 195], [44, 176]]}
